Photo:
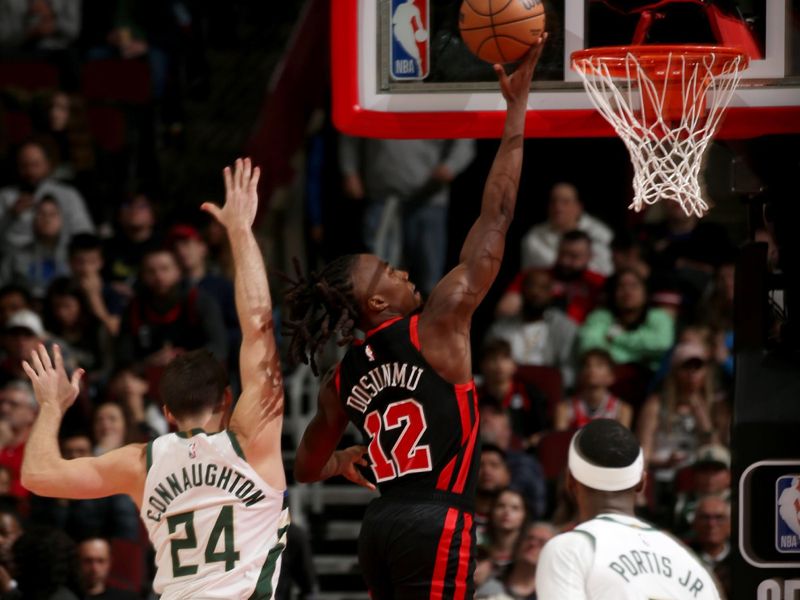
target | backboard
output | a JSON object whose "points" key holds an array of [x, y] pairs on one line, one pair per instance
{"points": [[434, 87]]}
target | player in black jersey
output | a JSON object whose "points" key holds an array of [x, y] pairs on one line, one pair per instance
{"points": [[407, 385]]}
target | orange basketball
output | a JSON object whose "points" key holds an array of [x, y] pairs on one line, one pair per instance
{"points": [[501, 31]]}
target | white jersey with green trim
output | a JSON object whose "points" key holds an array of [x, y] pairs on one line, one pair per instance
{"points": [[218, 529], [618, 557]]}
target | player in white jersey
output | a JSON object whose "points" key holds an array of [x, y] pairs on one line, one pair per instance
{"points": [[612, 555], [213, 503]]}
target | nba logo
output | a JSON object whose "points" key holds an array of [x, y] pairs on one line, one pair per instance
{"points": [[370, 354], [409, 49], [787, 532]]}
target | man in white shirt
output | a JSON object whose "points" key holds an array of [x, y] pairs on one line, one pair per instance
{"points": [[612, 554], [565, 213]]}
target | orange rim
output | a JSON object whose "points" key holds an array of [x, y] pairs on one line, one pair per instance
{"points": [[655, 58]]}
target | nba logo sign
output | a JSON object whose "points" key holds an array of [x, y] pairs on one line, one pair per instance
{"points": [[409, 49], [787, 532]]}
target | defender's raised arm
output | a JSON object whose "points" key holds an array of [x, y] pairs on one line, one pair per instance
{"points": [[258, 416]]}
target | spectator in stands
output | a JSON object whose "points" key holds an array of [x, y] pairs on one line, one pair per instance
{"points": [[687, 413], [712, 526], [133, 394], [68, 316], [134, 237], [593, 399], [629, 330], [506, 520], [716, 311], [526, 475], [577, 289], [110, 428], [13, 298], [42, 260], [487, 585], [165, 318], [114, 517], [192, 252], [39, 24], [520, 581], [684, 252], [405, 184], [18, 410], [17, 202], [5, 483], [541, 335], [10, 531], [23, 331], [86, 266], [565, 213], [525, 405], [627, 253], [46, 566], [493, 477], [94, 560], [710, 474]]}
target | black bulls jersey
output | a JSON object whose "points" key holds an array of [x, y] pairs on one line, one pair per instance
{"points": [[421, 431]]}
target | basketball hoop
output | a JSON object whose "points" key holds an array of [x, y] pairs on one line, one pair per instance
{"points": [[666, 103]]}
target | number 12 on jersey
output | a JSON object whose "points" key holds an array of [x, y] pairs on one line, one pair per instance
{"points": [[407, 456]]}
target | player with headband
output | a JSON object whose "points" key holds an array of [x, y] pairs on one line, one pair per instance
{"points": [[612, 555]]}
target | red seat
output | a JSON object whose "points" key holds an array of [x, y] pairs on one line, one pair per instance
{"points": [[117, 80], [553, 452], [547, 380], [127, 566], [32, 76], [108, 127]]}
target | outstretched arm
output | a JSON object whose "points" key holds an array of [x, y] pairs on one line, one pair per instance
{"points": [[258, 416], [455, 298], [44, 471], [317, 457]]}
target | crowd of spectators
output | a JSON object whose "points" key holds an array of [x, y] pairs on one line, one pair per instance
{"points": [[629, 323]]}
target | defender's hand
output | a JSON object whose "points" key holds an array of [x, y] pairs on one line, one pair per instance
{"points": [[515, 87], [50, 382], [241, 196], [347, 460]]}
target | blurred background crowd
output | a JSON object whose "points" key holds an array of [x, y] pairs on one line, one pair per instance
{"points": [[116, 118]]}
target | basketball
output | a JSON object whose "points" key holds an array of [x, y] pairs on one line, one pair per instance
{"points": [[421, 35], [501, 32]]}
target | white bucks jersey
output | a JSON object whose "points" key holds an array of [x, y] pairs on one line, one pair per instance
{"points": [[617, 557], [218, 529]]}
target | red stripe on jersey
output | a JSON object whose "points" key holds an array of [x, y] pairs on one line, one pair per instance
{"points": [[465, 461], [462, 394], [442, 554], [413, 331], [383, 325], [446, 475], [463, 558], [337, 377]]}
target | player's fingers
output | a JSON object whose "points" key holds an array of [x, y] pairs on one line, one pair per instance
{"points": [[29, 371], [211, 209], [37, 362], [57, 358], [45, 357], [362, 481], [255, 178], [228, 177], [77, 375], [237, 174], [247, 172]]}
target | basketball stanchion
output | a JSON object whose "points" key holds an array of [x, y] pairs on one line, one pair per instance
{"points": [[666, 103]]}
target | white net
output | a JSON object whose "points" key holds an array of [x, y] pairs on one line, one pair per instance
{"points": [[666, 134]]}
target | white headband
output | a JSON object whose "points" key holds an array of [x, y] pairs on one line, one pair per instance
{"points": [[606, 479]]}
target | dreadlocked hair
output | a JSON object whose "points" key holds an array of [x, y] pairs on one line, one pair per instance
{"points": [[320, 306]]}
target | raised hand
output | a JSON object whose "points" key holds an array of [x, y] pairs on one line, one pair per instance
{"points": [[515, 87], [241, 196], [50, 382]]}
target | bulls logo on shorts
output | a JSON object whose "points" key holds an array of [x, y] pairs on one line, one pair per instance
{"points": [[787, 532], [410, 53]]}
